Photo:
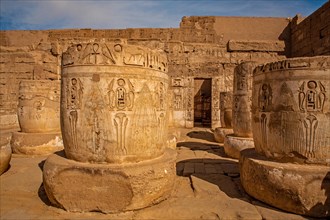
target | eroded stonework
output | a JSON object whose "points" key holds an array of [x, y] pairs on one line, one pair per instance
{"points": [[113, 102], [39, 118], [291, 111], [242, 97], [114, 120], [241, 111]]}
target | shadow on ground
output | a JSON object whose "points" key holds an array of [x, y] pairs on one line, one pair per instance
{"points": [[203, 135]]}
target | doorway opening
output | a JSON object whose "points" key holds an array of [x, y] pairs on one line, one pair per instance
{"points": [[202, 102]]}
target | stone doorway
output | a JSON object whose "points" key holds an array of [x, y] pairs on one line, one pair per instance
{"points": [[202, 102]]}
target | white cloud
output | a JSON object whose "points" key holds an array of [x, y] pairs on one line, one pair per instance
{"points": [[50, 14]]}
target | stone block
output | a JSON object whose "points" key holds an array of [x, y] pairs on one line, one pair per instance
{"points": [[109, 188], [234, 145], [299, 188], [249, 45], [220, 133], [36, 143]]}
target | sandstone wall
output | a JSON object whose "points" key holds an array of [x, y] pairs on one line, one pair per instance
{"points": [[203, 47], [311, 36]]}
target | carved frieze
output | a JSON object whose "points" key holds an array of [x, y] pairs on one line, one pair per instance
{"points": [[112, 53]]}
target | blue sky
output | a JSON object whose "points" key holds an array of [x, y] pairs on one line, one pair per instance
{"points": [[113, 14]]}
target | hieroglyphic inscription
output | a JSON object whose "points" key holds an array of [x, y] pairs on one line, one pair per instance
{"points": [[216, 99], [120, 122], [265, 97], [161, 96], [263, 127], [310, 124], [190, 99], [110, 53], [74, 100], [313, 98], [121, 95]]}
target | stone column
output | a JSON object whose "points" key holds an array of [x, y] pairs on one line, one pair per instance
{"points": [[5, 151], [39, 118], [226, 104], [291, 124], [241, 112], [114, 118]]}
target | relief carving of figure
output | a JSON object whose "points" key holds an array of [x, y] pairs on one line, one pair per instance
{"points": [[75, 92], [265, 97]]}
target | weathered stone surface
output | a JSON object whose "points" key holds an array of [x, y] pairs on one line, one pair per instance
{"points": [[39, 106], [242, 96], [226, 110], [234, 145], [298, 188], [248, 45], [108, 187], [291, 110], [114, 107], [5, 151], [220, 133], [36, 143]]}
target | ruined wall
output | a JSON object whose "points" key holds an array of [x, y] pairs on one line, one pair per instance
{"points": [[311, 36], [203, 47]]}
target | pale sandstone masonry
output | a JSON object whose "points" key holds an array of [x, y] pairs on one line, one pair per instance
{"points": [[38, 114], [226, 112], [290, 165], [241, 111], [114, 120], [204, 47], [311, 36]]}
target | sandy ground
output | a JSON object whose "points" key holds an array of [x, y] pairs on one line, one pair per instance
{"points": [[207, 187]]}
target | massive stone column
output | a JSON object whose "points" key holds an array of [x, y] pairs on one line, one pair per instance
{"points": [[5, 151], [39, 118], [226, 104], [291, 125], [241, 112], [114, 123]]}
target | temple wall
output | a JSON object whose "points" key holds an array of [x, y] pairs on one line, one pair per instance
{"points": [[311, 36], [203, 47]]}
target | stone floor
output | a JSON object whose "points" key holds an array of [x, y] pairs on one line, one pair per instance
{"points": [[207, 187]]}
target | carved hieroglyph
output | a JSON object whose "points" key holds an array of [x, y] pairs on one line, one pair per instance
{"points": [[242, 95], [113, 103], [226, 103], [39, 106], [291, 109], [216, 102]]}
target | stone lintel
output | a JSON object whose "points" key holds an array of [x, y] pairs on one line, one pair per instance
{"points": [[248, 45]]}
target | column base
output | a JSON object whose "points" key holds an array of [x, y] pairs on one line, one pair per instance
{"points": [[234, 145], [220, 133], [108, 188], [303, 189], [36, 143]]}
